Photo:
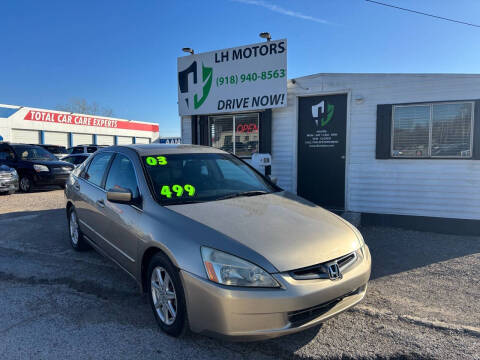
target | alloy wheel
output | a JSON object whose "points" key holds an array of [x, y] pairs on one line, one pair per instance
{"points": [[25, 184], [74, 228], [163, 295]]}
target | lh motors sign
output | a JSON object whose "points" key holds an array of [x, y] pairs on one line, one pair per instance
{"points": [[251, 77]]}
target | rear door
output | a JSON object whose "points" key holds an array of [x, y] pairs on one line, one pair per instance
{"points": [[91, 198]]}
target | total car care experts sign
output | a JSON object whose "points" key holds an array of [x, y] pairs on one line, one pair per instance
{"points": [[251, 77], [86, 120]]}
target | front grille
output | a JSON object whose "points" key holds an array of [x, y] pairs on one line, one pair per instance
{"points": [[300, 317], [6, 176], [61, 170], [320, 271]]}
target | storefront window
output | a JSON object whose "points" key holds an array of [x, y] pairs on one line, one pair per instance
{"points": [[432, 130], [244, 128]]}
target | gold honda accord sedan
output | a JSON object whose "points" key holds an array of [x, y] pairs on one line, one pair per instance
{"points": [[218, 248]]}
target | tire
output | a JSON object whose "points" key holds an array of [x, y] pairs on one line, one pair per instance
{"points": [[74, 233], [25, 184], [172, 324]]}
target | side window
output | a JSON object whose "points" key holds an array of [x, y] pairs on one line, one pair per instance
{"points": [[97, 168], [77, 150], [79, 159], [6, 153], [122, 176], [91, 149], [69, 159]]}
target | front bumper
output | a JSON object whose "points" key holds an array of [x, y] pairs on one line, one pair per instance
{"points": [[246, 314], [47, 178], [8, 185]]}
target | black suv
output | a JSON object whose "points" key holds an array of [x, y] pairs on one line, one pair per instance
{"points": [[35, 165]]}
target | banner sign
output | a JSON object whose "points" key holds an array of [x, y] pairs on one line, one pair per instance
{"points": [[170, 140], [251, 77], [87, 120]]}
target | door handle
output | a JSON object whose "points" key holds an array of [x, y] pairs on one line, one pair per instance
{"points": [[342, 157], [100, 203], [76, 186]]}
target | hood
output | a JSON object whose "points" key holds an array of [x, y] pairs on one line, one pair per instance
{"points": [[5, 168], [287, 230], [51, 163]]}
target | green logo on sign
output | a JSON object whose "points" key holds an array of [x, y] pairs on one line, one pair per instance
{"points": [[318, 111], [207, 77], [326, 120]]}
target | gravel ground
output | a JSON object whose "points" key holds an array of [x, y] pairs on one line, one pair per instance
{"points": [[423, 300]]}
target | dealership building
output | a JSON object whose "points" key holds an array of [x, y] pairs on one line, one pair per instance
{"points": [[40, 126], [393, 149]]}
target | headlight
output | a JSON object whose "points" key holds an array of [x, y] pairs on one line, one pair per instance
{"points": [[227, 269], [40, 168], [14, 173]]}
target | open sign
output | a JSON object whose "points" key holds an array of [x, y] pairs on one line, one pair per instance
{"points": [[247, 128]]}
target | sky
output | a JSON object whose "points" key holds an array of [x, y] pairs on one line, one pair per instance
{"points": [[123, 54]]}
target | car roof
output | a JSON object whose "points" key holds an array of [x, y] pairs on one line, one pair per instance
{"points": [[61, 146], [20, 144], [149, 149]]}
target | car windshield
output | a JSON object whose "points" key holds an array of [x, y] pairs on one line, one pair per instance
{"points": [[186, 178], [32, 153]]}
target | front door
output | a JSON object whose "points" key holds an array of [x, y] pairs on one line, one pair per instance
{"points": [[322, 129]]}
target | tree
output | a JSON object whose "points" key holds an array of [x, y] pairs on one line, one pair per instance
{"points": [[81, 106]]}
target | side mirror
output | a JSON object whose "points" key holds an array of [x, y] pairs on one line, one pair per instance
{"points": [[273, 179], [119, 195]]}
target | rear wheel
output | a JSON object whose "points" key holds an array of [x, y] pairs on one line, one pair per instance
{"points": [[166, 295], [76, 236], [25, 184]]}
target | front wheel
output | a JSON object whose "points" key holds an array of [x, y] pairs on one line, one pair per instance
{"points": [[25, 184], [166, 295]]}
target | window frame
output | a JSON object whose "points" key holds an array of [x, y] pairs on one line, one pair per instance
{"points": [[430, 130], [212, 117]]}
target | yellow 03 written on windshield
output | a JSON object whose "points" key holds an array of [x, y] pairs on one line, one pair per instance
{"points": [[156, 160]]}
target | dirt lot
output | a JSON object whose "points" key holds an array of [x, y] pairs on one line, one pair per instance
{"points": [[423, 300]]}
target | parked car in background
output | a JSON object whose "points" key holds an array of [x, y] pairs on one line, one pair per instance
{"points": [[211, 240], [76, 159], [8, 180], [35, 165], [84, 149], [57, 150]]}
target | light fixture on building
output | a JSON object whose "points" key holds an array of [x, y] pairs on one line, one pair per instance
{"points": [[265, 35], [359, 99], [188, 50]]}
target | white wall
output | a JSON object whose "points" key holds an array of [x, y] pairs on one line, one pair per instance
{"points": [[186, 124], [444, 188]]}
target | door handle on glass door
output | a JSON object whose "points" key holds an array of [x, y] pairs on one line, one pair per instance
{"points": [[100, 203]]}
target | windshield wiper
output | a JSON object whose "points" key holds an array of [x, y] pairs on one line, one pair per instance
{"points": [[245, 193], [183, 202]]}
